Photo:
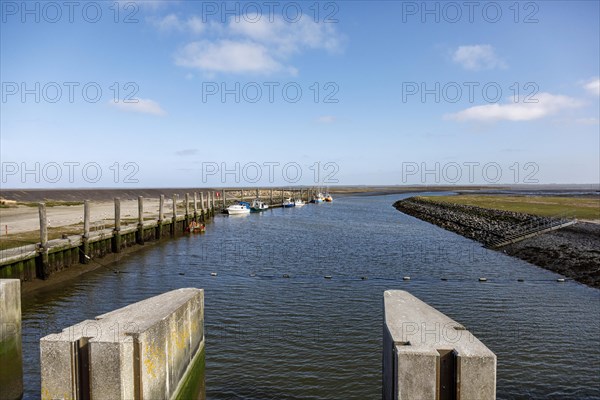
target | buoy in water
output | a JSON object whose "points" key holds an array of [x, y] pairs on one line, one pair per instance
{"points": [[520, 280], [213, 274], [253, 275], [482, 279], [286, 276], [406, 278], [364, 278], [181, 273], [444, 279], [560, 280], [327, 276]]}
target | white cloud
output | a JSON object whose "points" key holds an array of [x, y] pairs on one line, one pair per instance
{"points": [[227, 56], [172, 22], [287, 38], [187, 152], [588, 121], [243, 46], [477, 57], [548, 104], [593, 86], [326, 119], [144, 106]]}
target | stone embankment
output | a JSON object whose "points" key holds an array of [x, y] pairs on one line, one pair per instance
{"points": [[572, 251]]}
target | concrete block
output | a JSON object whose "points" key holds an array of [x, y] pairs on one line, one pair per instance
{"points": [[11, 356], [427, 355], [142, 351]]}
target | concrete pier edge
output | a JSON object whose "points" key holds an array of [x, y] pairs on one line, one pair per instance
{"points": [[429, 356], [150, 349]]}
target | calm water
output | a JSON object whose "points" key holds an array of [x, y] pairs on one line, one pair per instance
{"points": [[305, 337]]}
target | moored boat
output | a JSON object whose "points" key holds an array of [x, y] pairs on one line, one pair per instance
{"points": [[240, 208], [299, 203], [327, 198], [258, 206], [318, 198], [288, 203]]}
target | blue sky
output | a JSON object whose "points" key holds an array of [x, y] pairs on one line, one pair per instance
{"points": [[362, 117]]}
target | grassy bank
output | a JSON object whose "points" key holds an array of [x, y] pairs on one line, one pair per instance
{"points": [[584, 208], [33, 237]]}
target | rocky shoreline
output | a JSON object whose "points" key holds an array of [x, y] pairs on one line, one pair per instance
{"points": [[573, 251]]}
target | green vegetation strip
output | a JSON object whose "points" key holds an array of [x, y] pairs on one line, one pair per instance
{"points": [[586, 208], [33, 237]]}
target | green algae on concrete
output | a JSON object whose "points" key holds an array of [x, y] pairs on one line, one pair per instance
{"points": [[192, 385]]}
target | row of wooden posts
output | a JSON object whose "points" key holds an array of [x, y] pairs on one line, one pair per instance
{"points": [[210, 206], [305, 194], [207, 204], [49, 257]]}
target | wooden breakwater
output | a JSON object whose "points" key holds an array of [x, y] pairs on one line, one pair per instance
{"points": [[41, 260]]}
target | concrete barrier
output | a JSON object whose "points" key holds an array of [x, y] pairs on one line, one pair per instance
{"points": [[11, 356], [427, 355], [153, 349]]}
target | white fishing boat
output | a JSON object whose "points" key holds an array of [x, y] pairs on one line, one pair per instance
{"points": [[239, 208], [299, 203], [258, 206], [318, 198], [288, 203]]}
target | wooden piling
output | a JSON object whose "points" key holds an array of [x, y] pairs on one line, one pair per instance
{"points": [[224, 199], [195, 206], [161, 216], [84, 256], [44, 267], [140, 231], [43, 225], [271, 196], [187, 206], [174, 218], [202, 209], [116, 239], [86, 219]]}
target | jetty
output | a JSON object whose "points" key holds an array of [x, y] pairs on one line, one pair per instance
{"points": [[44, 259]]}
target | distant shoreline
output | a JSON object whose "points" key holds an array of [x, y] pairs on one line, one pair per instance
{"points": [[105, 194]]}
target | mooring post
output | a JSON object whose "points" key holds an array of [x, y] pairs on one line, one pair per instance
{"points": [[271, 196], [161, 216], [213, 196], [242, 195], [195, 206], [187, 205], [174, 219], [84, 256], [116, 239], [224, 199], [44, 267], [281, 196], [202, 212], [186, 220], [257, 193], [11, 356], [140, 232]]}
